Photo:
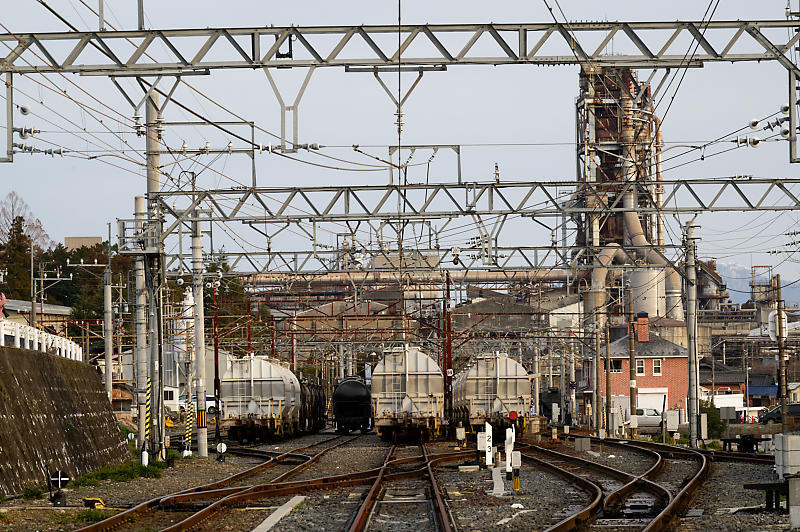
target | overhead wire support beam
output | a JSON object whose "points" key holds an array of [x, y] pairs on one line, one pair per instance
{"points": [[429, 201], [654, 44]]}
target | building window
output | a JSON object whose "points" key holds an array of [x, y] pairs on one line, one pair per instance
{"points": [[657, 367], [616, 366], [169, 395], [640, 367]]}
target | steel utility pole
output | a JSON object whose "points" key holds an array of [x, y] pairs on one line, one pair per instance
{"points": [[108, 324], [537, 368], [608, 381], [691, 329], [199, 338], [108, 316], [140, 324], [448, 353], [562, 377], [596, 373], [152, 132], [632, 358], [781, 355], [33, 291], [217, 418], [573, 385]]}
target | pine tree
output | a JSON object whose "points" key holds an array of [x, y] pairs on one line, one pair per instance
{"points": [[15, 258]]}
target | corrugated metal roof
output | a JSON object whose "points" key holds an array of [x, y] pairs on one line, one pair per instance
{"points": [[763, 391], [17, 305]]}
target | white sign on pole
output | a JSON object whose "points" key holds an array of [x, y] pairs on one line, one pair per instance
{"points": [[772, 328], [516, 459], [481, 441], [509, 448], [672, 420], [489, 450]]}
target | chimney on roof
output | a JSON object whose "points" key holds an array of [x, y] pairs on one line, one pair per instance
{"points": [[642, 326]]}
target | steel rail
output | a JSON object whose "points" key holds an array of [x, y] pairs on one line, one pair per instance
{"points": [[616, 498], [203, 514], [677, 503], [583, 516], [682, 499], [712, 454], [118, 519], [666, 518], [361, 517], [262, 491], [436, 495], [203, 494], [672, 512]]}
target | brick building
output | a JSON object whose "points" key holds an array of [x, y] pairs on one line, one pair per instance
{"points": [[662, 371]]}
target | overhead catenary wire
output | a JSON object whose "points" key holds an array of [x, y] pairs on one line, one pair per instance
{"points": [[223, 172]]}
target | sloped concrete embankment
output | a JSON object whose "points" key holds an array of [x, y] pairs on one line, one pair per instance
{"points": [[54, 413]]}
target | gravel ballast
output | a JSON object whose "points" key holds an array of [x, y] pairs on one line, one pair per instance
{"points": [[723, 490]]}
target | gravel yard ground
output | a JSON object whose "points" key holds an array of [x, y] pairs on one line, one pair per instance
{"points": [[543, 499], [723, 490], [630, 461], [241, 519], [361, 454], [328, 510], [33, 515], [676, 473], [39, 514]]}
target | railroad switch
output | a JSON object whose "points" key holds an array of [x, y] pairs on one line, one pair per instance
{"points": [[94, 502]]}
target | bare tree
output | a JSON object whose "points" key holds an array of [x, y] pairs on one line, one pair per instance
{"points": [[13, 206]]}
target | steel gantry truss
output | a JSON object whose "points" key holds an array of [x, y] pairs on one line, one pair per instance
{"points": [[656, 45], [182, 51], [372, 217]]}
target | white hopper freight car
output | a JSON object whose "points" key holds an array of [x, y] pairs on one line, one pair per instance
{"points": [[259, 398], [407, 393], [494, 388]]}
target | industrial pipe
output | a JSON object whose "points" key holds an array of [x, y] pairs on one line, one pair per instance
{"points": [[634, 233], [633, 228]]}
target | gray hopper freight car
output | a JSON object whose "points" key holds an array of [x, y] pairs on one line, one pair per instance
{"points": [[494, 388], [407, 393]]}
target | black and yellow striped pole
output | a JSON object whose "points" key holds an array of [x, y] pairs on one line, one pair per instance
{"points": [[145, 455], [148, 417], [187, 439], [201, 419]]}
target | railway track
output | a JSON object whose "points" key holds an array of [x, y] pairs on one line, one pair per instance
{"points": [[179, 510], [622, 500], [405, 495], [629, 501], [204, 507]]}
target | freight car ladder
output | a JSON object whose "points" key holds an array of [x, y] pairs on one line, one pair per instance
{"points": [[397, 384], [489, 382]]}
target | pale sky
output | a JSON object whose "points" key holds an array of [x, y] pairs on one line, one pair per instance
{"points": [[464, 105]]}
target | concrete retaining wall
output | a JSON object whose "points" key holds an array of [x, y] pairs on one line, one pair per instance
{"points": [[54, 413]]}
